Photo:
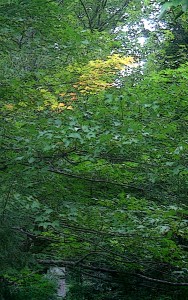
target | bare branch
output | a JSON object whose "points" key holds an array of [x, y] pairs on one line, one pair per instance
{"points": [[65, 263], [106, 270], [162, 281]]}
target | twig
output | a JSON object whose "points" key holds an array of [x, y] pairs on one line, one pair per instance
{"points": [[161, 281]]}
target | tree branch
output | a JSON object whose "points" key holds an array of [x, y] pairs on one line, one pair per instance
{"points": [[65, 263], [162, 281], [106, 270], [87, 15], [130, 187]]}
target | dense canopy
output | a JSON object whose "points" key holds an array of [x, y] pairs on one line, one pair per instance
{"points": [[94, 149]]}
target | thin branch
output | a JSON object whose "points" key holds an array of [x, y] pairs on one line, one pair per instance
{"points": [[104, 3], [87, 15], [106, 270], [162, 281], [33, 235], [97, 277], [102, 26], [130, 187], [73, 264], [85, 256]]}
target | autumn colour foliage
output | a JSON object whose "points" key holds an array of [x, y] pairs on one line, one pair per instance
{"points": [[94, 150]]}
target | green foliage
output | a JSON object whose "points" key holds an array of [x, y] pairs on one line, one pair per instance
{"points": [[174, 3], [94, 181], [26, 285], [101, 15]]}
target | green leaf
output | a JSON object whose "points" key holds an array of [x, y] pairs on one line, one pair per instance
{"points": [[31, 160], [35, 204], [75, 135], [165, 7]]}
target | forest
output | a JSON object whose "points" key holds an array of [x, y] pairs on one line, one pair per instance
{"points": [[94, 149]]}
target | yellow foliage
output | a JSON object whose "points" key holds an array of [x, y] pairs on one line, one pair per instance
{"points": [[62, 94], [61, 105], [51, 101], [69, 107], [98, 74], [9, 106]]}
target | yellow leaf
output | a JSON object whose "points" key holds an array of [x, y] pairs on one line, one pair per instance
{"points": [[9, 106], [61, 104]]}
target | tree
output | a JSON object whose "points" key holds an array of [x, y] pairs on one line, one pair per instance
{"points": [[94, 179], [168, 5], [101, 15]]}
